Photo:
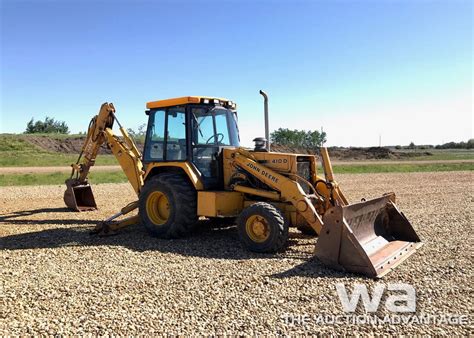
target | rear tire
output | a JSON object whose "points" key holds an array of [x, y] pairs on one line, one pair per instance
{"points": [[168, 206], [263, 228]]}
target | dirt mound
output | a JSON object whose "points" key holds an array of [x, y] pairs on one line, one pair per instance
{"points": [[352, 153], [73, 145], [61, 145], [66, 145], [373, 153], [293, 150]]}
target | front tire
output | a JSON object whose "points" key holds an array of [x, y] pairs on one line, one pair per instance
{"points": [[263, 228], [168, 206]]}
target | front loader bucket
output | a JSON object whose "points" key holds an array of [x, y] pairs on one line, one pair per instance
{"points": [[369, 238], [79, 197]]}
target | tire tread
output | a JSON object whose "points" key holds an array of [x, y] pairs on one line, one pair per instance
{"points": [[185, 196]]}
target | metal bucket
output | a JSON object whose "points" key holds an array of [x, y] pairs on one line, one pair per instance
{"points": [[79, 197], [370, 237]]}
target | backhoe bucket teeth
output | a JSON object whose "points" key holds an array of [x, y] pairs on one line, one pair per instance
{"points": [[79, 197], [369, 238]]}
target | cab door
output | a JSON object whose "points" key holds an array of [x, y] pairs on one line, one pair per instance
{"points": [[166, 135], [210, 133]]}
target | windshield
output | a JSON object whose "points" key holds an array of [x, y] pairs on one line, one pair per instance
{"points": [[214, 126]]}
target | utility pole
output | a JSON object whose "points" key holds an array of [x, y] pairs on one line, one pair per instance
{"points": [[380, 140]]}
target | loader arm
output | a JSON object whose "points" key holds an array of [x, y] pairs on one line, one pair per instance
{"points": [[370, 237], [78, 195], [289, 189]]}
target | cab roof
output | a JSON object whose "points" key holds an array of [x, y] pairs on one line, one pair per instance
{"points": [[187, 100]]}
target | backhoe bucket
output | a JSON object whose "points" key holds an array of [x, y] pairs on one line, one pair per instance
{"points": [[79, 197], [369, 238]]}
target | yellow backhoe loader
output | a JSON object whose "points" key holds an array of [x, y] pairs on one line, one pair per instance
{"points": [[192, 166]]}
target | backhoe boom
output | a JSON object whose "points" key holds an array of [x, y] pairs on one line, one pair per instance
{"points": [[78, 195]]}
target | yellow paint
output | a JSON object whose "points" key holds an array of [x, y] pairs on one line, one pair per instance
{"points": [[219, 203], [282, 163], [189, 169], [127, 156], [289, 189], [157, 207], [273, 195], [327, 165], [335, 192], [257, 228], [132, 220], [178, 101]]}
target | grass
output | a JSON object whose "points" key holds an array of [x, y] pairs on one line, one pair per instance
{"points": [[50, 135], [59, 178], [45, 159], [16, 151], [441, 155], [13, 143], [119, 177], [401, 168]]}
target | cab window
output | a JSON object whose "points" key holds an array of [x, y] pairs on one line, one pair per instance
{"points": [[154, 149], [166, 137], [176, 138]]}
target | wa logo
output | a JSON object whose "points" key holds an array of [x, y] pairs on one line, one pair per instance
{"points": [[401, 297]]}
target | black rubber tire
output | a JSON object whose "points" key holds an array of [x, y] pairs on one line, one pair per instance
{"points": [[182, 198], [277, 222], [307, 230]]}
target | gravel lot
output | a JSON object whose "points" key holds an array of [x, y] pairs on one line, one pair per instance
{"points": [[56, 279]]}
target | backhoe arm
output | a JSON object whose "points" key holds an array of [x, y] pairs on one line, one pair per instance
{"points": [[94, 140], [78, 195], [128, 157]]}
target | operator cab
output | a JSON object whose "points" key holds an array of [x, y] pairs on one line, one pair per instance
{"points": [[193, 129]]}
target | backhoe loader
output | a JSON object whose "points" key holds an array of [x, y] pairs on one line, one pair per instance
{"points": [[192, 166]]}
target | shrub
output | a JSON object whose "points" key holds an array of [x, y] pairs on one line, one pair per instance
{"points": [[49, 125]]}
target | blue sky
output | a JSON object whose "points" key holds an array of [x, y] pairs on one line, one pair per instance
{"points": [[359, 69]]}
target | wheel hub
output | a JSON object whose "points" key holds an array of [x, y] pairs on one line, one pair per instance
{"points": [[257, 228], [158, 208]]}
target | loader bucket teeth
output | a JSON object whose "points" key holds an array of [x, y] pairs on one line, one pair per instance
{"points": [[369, 238], [79, 197]]}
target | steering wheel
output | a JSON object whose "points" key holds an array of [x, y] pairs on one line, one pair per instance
{"points": [[219, 136]]}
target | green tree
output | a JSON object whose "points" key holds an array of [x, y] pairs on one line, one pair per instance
{"points": [[457, 145], [140, 134], [298, 138], [49, 125]]}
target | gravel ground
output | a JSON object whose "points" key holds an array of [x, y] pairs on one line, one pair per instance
{"points": [[56, 279]]}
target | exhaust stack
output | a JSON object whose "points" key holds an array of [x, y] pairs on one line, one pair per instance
{"points": [[267, 128]]}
